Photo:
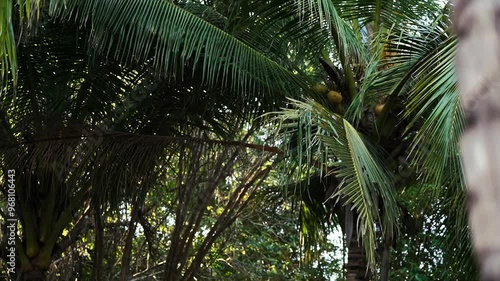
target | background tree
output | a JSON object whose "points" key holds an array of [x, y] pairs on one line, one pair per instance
{"points": [[88, 133], [476, 27]]}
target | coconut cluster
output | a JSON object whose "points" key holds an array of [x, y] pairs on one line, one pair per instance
{"points": [[336, 97], [333, 96]]}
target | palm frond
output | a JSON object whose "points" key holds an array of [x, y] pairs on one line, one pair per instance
{"points": [[8, 61], [433, 104], [421, 76], [109, 158], [348, 43], [173, 38], [388, 13], [366, 183], [393, 69], [28, 11]]}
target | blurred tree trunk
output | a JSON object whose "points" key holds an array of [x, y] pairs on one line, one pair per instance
{"points": [[477, 24]]}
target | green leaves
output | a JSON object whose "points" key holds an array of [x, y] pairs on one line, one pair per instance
{"points": [[433, 107], [163, 70], [329, 140], [173, 39], [8, 61], [367, 185], [348, 44], [28, 11], [387, 13]]}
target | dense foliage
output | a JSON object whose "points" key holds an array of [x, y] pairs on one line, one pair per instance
{"points": [[223, 140]]}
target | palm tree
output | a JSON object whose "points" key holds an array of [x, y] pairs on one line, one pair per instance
{"points": [[377, 155], [98, 111]]}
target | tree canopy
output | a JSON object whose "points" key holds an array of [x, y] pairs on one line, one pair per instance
{"points": [[233, 139]]}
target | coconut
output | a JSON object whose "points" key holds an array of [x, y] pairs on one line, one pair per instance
{"points": [[320, 88], [334, 97], [378, 108]]}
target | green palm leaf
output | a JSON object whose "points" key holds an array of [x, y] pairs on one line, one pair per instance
{"points": [[387, 13], [174, 38], [422, 78], [28, 12], [348, 43], [8, 62], [432, 101], [327, 138]]}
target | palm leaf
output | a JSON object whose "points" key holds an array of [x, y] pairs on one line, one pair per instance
{"points": [[174, 37], [367, 184], [127, 158], [389, 13], [348, 43], [423, 69], [28, 13], [432, 102], [8, 62]]}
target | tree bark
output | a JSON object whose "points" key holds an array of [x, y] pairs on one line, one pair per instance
{"points": [[357, 268], [386, 259], [127, 251], [34, 275], [98, 258], [477, 24]]}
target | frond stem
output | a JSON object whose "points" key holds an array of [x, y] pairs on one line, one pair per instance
{"points": [[165, 138]]}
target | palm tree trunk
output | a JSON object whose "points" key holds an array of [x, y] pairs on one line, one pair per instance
{"points": [[127, 251], [385, 266], [34, 275], [478, 67], [357, 268], [98, 258]]}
